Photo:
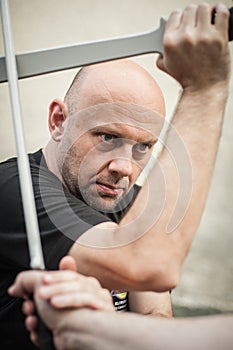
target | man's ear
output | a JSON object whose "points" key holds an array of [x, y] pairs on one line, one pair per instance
{"points": [[57, 117]]}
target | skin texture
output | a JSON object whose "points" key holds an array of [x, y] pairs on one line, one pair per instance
{"points": [[153, 261], [138, 332]]}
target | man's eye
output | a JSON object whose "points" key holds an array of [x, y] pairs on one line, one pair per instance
{"points": [[107, 142], [107, 138], [141, 150], [141, 147]]}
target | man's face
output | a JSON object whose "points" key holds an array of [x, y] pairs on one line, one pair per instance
{"points": [[104, 150]]}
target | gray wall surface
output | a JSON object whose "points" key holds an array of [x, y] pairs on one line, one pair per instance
{"points": [[207, 276]]}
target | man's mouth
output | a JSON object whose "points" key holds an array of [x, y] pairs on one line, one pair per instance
{"points": [[109, 190]]}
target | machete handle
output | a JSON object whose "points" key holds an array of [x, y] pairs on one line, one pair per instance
{"points": [[45, 336], [230, 30]]}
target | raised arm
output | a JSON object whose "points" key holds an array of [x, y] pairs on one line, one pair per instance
{"points": [[168, 209]]}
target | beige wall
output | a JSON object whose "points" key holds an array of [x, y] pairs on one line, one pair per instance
{"points": [[41, 24]]}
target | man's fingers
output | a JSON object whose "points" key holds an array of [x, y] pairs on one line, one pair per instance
{"points": [[28, 307], [64, 287], [67, 263], [34, 338], [188, 19], [60, 276], [46, 292], [173, 21], [172, 24], [222, 18], [25, 283], [204, 16], [77, 300], [31, 324]]}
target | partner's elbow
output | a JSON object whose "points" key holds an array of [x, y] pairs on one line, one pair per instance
{"points": [[157, 275]]}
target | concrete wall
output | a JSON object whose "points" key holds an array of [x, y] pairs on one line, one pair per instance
{"points": [[207, 276]]}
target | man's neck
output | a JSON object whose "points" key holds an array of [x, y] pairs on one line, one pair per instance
{"points": [[49, 153]]}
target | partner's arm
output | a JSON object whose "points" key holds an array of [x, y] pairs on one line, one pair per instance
{"points": [[96, 330]]}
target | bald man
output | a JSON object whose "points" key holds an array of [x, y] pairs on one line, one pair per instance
{"points": [[102, 136]]}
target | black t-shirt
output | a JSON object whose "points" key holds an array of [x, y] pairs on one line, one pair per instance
{"points": [[62, 219]]}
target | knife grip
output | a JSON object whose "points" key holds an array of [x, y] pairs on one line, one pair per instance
{"points": [[230, 30], [45, 336], [230, 27]]}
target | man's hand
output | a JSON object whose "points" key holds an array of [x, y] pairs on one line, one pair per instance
{"points": [[63, 289], [196, 50], [25, 283]]}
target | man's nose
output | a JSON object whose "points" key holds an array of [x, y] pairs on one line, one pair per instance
{"points": [[122, 166]]}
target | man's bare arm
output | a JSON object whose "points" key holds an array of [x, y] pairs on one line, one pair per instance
{"points": [[196, 54], [96, 330], [151, 303]]}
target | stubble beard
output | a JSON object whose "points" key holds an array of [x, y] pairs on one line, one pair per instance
{"points": [[88, 193], [100, 202]]}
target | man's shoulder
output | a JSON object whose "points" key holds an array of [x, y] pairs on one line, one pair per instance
{"points": [[34, 158], [8, 170], [9, 167], [8, 163]]}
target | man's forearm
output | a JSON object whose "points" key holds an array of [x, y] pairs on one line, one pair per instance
{"points": [[96, 330], [192, 142]]}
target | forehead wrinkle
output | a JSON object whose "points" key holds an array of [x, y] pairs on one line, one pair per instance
{"points": [[121, 113]]}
